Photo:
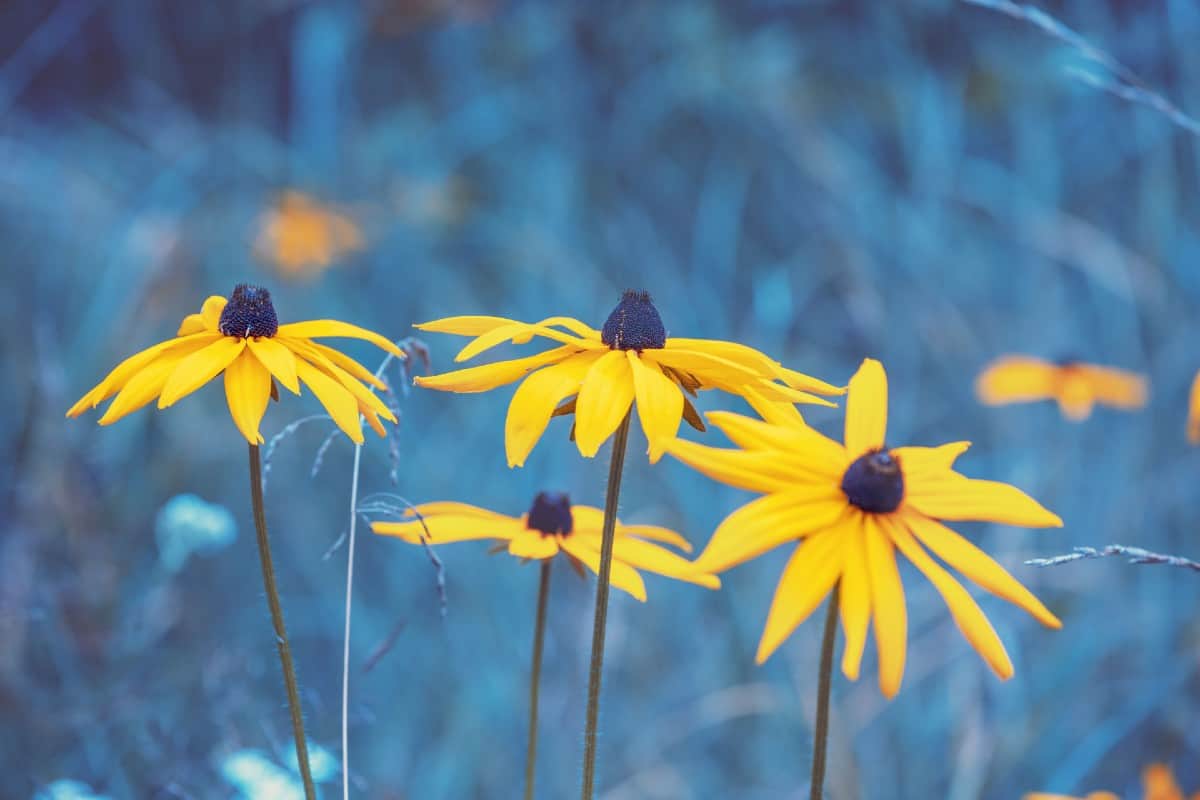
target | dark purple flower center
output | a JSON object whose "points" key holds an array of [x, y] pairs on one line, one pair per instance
{"points": [[634, 324], [874, 482], [551, 514], [248, 313]]}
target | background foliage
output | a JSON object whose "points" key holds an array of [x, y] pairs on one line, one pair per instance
{"points": [[926, 182]]}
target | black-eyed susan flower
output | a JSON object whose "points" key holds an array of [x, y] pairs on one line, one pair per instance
{"points": [[301, 237], [550, 527], [1158, 783], [599, 374], [241, 337], [1076, 386], [851, 507]]}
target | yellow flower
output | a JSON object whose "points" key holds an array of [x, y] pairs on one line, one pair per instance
{"points": [[852, 507], [243, 339], [601, 373], [1158, 783], [1075, 385], [1194, 412], [301, 237], [552, 525]]}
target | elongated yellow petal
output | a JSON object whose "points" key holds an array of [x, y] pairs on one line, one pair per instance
{"points": [[117, 378], [818, 454], [1114, 387], [751, 470], [854, 591], [1017, 379], [535, 400], [976, 565], [532, 544], [966, 612], [623, 576], [451, 507], [471, 325], [654, 533], [1193, 427], [304, 350], [807, 579], [604, 398], [866, 409], [450, 527], [888, 613], [338, 401], [659, 404], [775, 412], [143, 387], [247, 391], [755, 360], [517, 332], [349, 365], [278, 360], [489, 376], [928, 463], [770, 521], [317, 328], [705, 366], [955, 497], [199, 368], [652, 558]]}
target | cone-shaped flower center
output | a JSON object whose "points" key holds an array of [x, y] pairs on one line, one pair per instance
{"points": [[874, 482], [634, 324], [551, 514], [248, 313]]}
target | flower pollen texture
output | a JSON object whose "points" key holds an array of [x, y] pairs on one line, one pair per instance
{"points": [[634, 324], [249, 313], [874, 482], [551, 514]]}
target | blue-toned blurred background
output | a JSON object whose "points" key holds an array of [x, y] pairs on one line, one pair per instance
{"points": [[927, 182]]}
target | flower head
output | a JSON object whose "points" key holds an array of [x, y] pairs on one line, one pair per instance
{"points": [[598, 374], [301, 237], [241, 337], [851, 506], [552, 526], [1075, 385], [1158, 783]]}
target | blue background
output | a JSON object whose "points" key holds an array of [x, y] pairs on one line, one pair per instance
{"points": [[924, 182]]}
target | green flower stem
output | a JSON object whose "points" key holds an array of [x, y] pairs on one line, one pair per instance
{"points": [[535, 678], [615, 468], [281, 637], [824, 681]]}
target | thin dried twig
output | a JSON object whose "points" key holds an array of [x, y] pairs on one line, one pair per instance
{"points": [[1136, 555]]}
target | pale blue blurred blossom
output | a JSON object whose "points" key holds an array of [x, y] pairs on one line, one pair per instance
{"points": [[188, 524]]}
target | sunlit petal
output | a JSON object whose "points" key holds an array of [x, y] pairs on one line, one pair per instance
{"points": [[318, 328], [489, 376], [854, 591], [659, 404], [604, 398], [247, 391], [199, 368], [954, 497], [338, 401], [866, 409], [807, 579], [623, 576], [770, 521], [278, 360], [535, 400], [888, 613]]}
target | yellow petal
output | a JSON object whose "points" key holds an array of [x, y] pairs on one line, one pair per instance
{"points": [[489, 376], [247, 390], [278, 360], [654, 533], [807, 579], [338, 401], [705, 366], [1194, 412], [450, 527], [1075, 395], [305, 351], [1016, 379], [770, 521], [210, 312], [1114, 387], [753, 359], [604, 398], [520, 332], [756, 471], [535, 400], [854, 592], [622, 576], [532, 544], [659, 404], [199, 368], [866, 409], [117, 378], [888, 613], [976, 565], [451, 507], [775, 412], [331, 327], [349, 365], [818, 454], [1158, 783], [465, 325], [192, 323], [955, 497], [968, 616], [143, 387], [652, 558], [928, 463]]}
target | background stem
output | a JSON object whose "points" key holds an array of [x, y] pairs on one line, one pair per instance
{"points": [[824, 681], [535, 678]]}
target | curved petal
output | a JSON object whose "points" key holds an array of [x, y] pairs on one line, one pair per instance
{"points": [[450, 507], [866, 409], [247, 391], [928, 463], [278, 360], [807, 579], [489, 376], [659, 404], [768, 522], [532, 544], [955, 497], [775, 412], [817, 453], [192, 323], [754, 471], [604, 399], [348, 364], [446, 528], [365, 397], [143, 387], [976, 565], [888, 613], [622, 576], [967, 615], [317, 328], [521, 332], [1114, 387], [655, 533], [471, 325], [652, 558], [535, 400], [199, 368], [115, 380], [1016, 379], [210, 312], [854, 592], [341, 405]]}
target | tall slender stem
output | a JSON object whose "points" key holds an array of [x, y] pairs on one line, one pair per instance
{"points": [[281, 637], [346, 631], [824, 681], [600, 621], [535, 677]]}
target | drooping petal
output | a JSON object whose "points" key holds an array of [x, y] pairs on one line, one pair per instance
{"points": [[854, 591], [955, 497], [775, 412], [304, 350], [348, 364], [704, 366], [199, 368], [652, 558], [743, 469], [928, 463], [532, 544], [604, 398], [450, 527], [888, 613], [489, 376], [816, 453], [535, 400], [976, 565], [143, 386], [278, 360], [123, 372], [622, 576], [770, 521], [807, 579], [337, 399], [754, 360], [476, 325], [1017, 379], [654, 533], [247, 391], [317, 328], [450, 507], [866, 409], [659, 404]]}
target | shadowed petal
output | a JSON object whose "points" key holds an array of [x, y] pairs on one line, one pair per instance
{"points": [[317, 328], [659, 404], [199, 368], [623, 576], [278, 360], [770, 521], [604, 399], [247, 391], [341, 405], [535, 400], [532, 544]]}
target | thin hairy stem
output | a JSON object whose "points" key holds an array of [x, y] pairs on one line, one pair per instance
{"points": [[535, 677], [600, 622], [281, 637], [346, 632], [824, 681]]}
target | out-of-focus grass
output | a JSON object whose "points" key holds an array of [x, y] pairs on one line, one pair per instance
{"points": [[918, 182]]}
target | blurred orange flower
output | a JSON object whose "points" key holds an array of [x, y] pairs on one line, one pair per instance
{"points": [[303, 238], [1075, 385], [1194, 412], [1158, 783]]}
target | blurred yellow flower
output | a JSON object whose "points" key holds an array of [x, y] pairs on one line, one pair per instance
{"points": [[1076, 386], [852, 507], [601, 373], [302, 238], [242, 338], [1158, 783], [1194, 412], [552, 526]]}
